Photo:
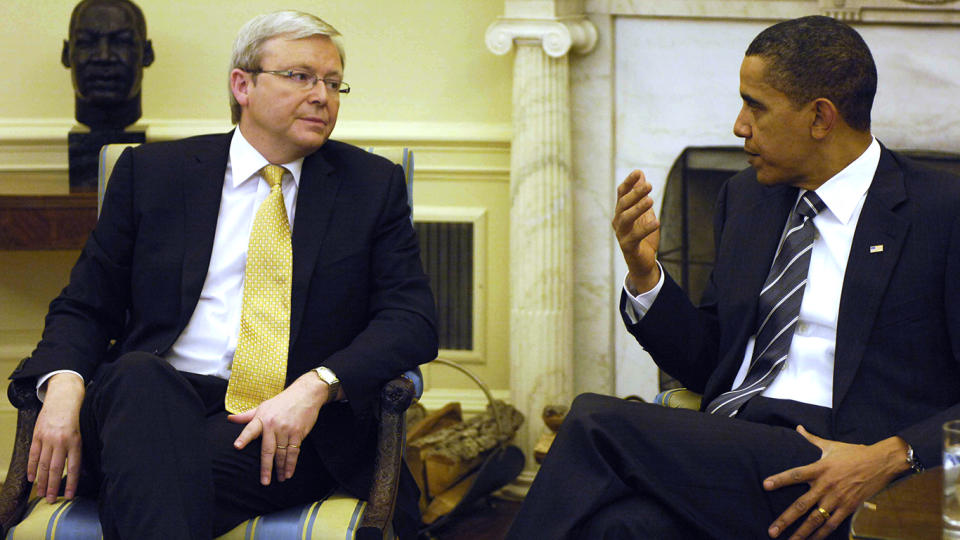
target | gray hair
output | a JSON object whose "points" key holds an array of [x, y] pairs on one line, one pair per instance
{"points": [[248, 47]]}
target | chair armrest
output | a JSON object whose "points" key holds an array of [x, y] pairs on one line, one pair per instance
{"points": [[16, 490], [395, 398], [679, 398]]}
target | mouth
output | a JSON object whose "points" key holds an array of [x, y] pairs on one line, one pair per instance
{"points": [[314, 120]]}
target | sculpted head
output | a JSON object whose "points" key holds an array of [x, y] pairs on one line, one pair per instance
{"points": [[107, 50]]}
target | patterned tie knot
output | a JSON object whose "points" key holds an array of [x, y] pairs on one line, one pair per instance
{"points": [[810, 205], [273, 174]]}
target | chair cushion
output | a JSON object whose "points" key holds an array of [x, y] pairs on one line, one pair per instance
{"points": [[336, 517]]}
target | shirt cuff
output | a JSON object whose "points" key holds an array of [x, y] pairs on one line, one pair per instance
{"points": [[42, 382], [637, 305]]}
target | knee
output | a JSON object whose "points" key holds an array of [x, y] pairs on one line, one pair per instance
{"points": [[589, 409], [135, 372], [137, 364]]}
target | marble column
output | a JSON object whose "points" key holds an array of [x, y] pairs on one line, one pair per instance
{"points": [[541, 214]]}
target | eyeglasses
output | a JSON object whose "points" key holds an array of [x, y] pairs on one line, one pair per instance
{"points": [[305, 80]]}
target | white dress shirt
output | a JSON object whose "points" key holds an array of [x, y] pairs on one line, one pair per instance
{"points": [[807, 374], [207, 344]]}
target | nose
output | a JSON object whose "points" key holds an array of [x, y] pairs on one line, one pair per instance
{"points": [[741, 128], [319, 93], [103, 49]]}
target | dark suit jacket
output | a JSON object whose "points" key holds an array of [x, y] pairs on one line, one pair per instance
{"points": [[361, 303], [896, 367]]}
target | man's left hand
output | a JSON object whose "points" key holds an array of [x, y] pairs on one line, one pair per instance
{"points": [[843, 477], [283, 421]]}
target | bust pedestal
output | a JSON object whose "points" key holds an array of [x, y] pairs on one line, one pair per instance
{"points": [[84, 150]]}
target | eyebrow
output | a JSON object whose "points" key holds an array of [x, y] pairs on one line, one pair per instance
{"points": [[308, 69], [750, 100]]}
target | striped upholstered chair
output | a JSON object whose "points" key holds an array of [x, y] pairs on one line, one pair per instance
{"points": [[336, 517]]}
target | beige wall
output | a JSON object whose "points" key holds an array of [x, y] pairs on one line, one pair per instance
{"points": [[421, 77], [408, 61]]}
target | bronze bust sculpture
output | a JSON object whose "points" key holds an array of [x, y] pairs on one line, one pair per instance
{"points": [[107, 50]]}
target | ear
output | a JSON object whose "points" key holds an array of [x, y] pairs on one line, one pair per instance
{"points": [[65, 55], [147, 53], [240, 84], [825, 118]]}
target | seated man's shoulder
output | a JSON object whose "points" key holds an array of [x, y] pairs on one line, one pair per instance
{"points": [[348, 155], [182, 147]]}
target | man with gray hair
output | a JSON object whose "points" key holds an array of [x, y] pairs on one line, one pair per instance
{"points": [[219, 350]]}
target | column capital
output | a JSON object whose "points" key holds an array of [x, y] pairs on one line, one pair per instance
{"points": [[557, 36]]}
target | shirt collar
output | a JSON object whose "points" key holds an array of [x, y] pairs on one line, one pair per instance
{"points": [[842, 192], [246, 161]]}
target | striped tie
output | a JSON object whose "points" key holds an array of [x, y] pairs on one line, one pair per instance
{"points": [[260, 362], [778, 308]]}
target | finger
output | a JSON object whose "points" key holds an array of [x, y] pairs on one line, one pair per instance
{"points": [[249, 433], [627, 219], [268, 449], [810, 437], [55, 474], [836, 519], [630, 181], [43, 467], [789, 477], [812, 525], [625, 225], [280, 459], [242, 418], [33, 458], [639, 192], [795, 511], [73, 470], [293, 453]]}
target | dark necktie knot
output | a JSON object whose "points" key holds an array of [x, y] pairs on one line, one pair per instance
{"points": [[810, 204]]}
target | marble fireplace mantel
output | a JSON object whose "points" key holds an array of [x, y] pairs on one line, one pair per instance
{"points": [[872, 11]]}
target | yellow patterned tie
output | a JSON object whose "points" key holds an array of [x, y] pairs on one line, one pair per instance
{"points": [[260, 362]]}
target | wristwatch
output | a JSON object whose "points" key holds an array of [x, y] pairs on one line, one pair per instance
{"points": [[328, 376], [912, 460]]}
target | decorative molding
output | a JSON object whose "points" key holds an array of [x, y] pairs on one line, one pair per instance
{"points": [[934, 12], [444, 149], [557, 36], [904, 11]]}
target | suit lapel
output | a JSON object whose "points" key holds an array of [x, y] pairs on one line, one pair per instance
{"points": [[315, 198], [202, 187], [868, 270]]}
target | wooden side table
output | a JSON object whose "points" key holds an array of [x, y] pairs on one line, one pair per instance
{"points": [[37, 222], [906, 510]]}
